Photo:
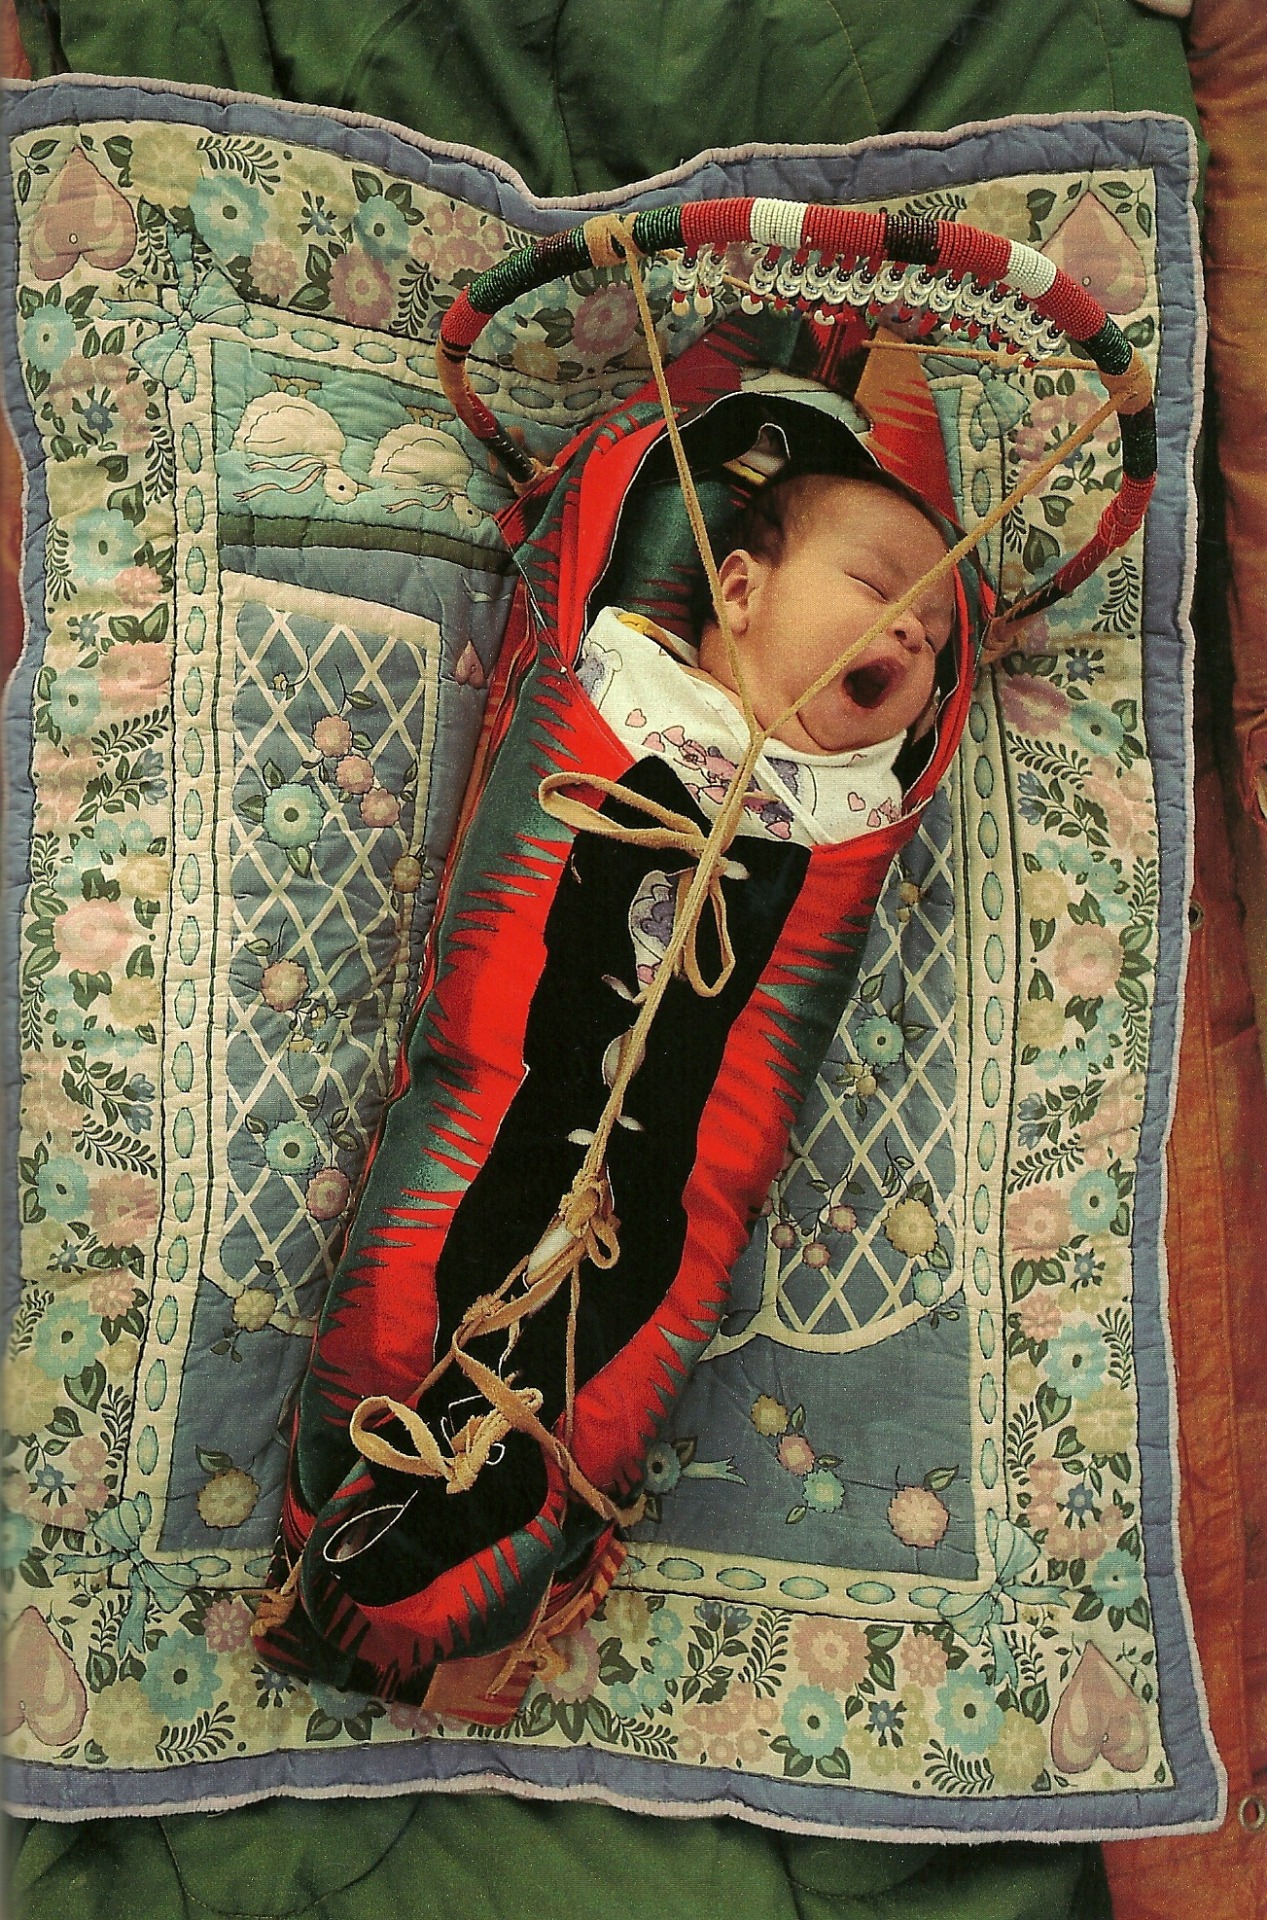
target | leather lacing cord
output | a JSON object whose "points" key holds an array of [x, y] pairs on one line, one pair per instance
{"points": [[585, 1230]]}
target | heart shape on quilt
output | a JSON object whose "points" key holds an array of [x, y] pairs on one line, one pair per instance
{"points": [[41, 1688], [83, 217], [1095, 250], [1098, 1717]]}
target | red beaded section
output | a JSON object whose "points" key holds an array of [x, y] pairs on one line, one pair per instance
{"points": [[483, 423], [715, 222], [844, 232], [1075, 311], [968, 250], [1117, 523], [461, 325]]}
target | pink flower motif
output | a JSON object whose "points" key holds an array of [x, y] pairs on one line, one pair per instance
{"points": [[110, 1292], [690, 1744], [1033, 705], [136, 673], [1039, 1315], [80, 372], [578, 1675], [360, 290], [1080, 1543], [332, 735], [795, 1453], [924, 1661], [409, 1719], [72, 1507], [354, 773], [724, 1715], [729, 1730], [227, 1624], [274, 270], [95, 936], [1039, 1220], [1091, 1540], [917, 1516], [457, 237], [1124, 814], [326, 1194], [1114, 1524], [123, 1207], [1042, 1514], [60, 775], [106, 377], [1086, 960], [832, 1653], [86, 1457], [138, 586], [1045, 1474], [1060, 411], [1117, 1116], [45, 1100], [606, 322], [379, 808]]}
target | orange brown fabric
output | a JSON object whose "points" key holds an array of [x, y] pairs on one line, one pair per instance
{"points": [[1217, 1164], [1227, 53]]}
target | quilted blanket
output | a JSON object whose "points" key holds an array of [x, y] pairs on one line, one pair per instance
{"points": [[909, 1557]]}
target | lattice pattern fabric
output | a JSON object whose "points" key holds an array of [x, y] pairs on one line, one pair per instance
{"points": [[265, 599]]}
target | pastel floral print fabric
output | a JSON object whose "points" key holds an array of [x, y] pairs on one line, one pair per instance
{"points": [[272, 596]]}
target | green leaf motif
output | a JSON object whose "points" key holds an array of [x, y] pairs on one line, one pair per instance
{"points": [[881, 1670], [1040, 548], [1052, 1406]]}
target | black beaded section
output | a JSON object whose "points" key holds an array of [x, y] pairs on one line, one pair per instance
{"points": [[1139, 443], [1110, 348], [657, 228], [549, 259], [912, 238], [1047, 596]]}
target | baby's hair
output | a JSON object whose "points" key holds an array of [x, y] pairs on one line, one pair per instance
{"points": [[776, 507], [773, 510]]}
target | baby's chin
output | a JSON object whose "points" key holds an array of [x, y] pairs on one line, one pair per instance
{"points": [[845, 728]]}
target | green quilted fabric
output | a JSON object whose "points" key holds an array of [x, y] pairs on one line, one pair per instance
{"points": [[581, 95], [436, 1857]]}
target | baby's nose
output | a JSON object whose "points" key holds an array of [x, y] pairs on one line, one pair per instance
{"points": [[909, 629]]}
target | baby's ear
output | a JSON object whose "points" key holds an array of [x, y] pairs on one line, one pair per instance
{"points": [[738, 573]]}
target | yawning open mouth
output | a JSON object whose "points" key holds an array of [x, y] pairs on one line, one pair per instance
{"points": [[869, 684]]}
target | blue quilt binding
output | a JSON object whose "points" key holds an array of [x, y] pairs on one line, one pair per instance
{"points": [[870, 170]]}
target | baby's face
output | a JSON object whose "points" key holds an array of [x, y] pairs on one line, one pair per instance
{"points": [[849, 549]]}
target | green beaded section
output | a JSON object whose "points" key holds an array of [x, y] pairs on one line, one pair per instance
{"points": [[657, 228], [549, 259], [1109, 348], [564, 253]]}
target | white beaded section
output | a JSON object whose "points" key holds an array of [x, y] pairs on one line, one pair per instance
{"points": [[778, 223], [1028, 271]]}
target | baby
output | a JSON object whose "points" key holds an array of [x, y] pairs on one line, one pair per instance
{"points": [[817, 558], [539, 970]]}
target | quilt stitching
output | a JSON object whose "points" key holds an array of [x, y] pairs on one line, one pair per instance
{"points": [[683, 1666]]}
